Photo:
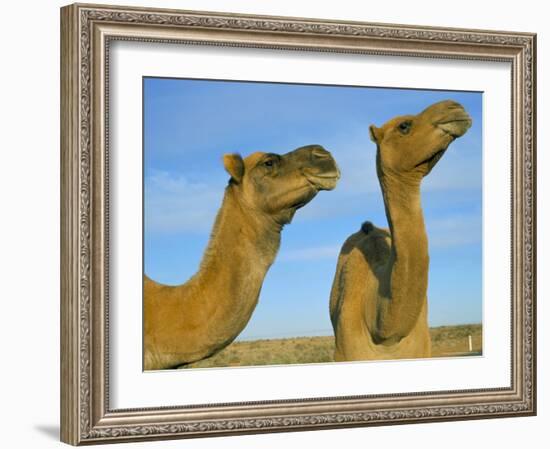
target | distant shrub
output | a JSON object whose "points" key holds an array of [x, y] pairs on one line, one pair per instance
{"points": [[446, 341]]}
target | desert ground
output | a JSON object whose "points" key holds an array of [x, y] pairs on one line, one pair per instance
{"points": [[447, 341]]}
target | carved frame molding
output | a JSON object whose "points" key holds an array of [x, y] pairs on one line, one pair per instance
{"points": [[87, 31]]}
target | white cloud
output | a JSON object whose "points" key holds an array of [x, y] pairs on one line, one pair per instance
{"points": [[458, 172], [175, 204], [448, 232], [311, 253], [355, 153], [459, 169], [454, 231]]}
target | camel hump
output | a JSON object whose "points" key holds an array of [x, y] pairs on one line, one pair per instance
{"points": [[367, 227]]}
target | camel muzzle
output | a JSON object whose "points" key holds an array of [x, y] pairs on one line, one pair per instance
{"points": [[318, 166], [450, 117]]}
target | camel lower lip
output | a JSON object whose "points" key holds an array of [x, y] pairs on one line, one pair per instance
{"points": [[336, 176], [299, 205]]}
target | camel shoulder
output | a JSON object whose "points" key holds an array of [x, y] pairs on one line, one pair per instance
{"points": [[361, 255]]}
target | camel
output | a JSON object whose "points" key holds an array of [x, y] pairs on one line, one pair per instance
{"points": [[378, 302], [195, 320]]}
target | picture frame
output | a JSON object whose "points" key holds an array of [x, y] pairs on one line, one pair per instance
{"points": [[87, 33]]}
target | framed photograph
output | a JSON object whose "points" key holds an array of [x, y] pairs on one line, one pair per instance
{"points": [[278, 224]]}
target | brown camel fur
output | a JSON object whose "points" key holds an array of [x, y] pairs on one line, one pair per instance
{"points": [[190, 322], [378, 304]]}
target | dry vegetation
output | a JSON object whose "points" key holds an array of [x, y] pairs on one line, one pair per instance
{"points": [[447, 341]]}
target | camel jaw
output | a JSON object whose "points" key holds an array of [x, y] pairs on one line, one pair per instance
{"points": [[453, 128], [433, 159]]}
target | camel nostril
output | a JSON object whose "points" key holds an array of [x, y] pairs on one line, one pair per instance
{"points": [[454, 105], [320, 153]]}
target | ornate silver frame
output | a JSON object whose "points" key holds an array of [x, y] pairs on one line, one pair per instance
{"points": [[86, 33]]}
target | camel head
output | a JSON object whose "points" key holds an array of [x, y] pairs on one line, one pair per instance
{"points": [[411, 145], [278, 185]]}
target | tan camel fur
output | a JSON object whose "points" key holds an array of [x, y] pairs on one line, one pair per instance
{"points": [[378, 303], [190, 322]]}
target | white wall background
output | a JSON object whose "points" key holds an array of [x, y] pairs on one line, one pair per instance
{"points": [[29, 237]]}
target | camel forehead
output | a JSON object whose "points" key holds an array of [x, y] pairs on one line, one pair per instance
{"points": [[252, 159]]}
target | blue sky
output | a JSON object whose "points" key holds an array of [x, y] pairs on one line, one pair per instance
{"points": [[190, 124]]}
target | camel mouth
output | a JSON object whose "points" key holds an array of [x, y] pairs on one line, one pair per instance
{"points": [[456, 126], [325, 181]]}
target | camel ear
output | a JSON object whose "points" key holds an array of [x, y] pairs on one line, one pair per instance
{"points": [[375, 134], [234, 165]]}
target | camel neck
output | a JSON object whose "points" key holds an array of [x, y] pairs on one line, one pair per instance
{"points": [[405, 217], [408, 262], [252, 233], [242, 247]]}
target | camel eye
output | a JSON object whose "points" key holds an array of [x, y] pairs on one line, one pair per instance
{"points": [[404, 127], [270, 162]]}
